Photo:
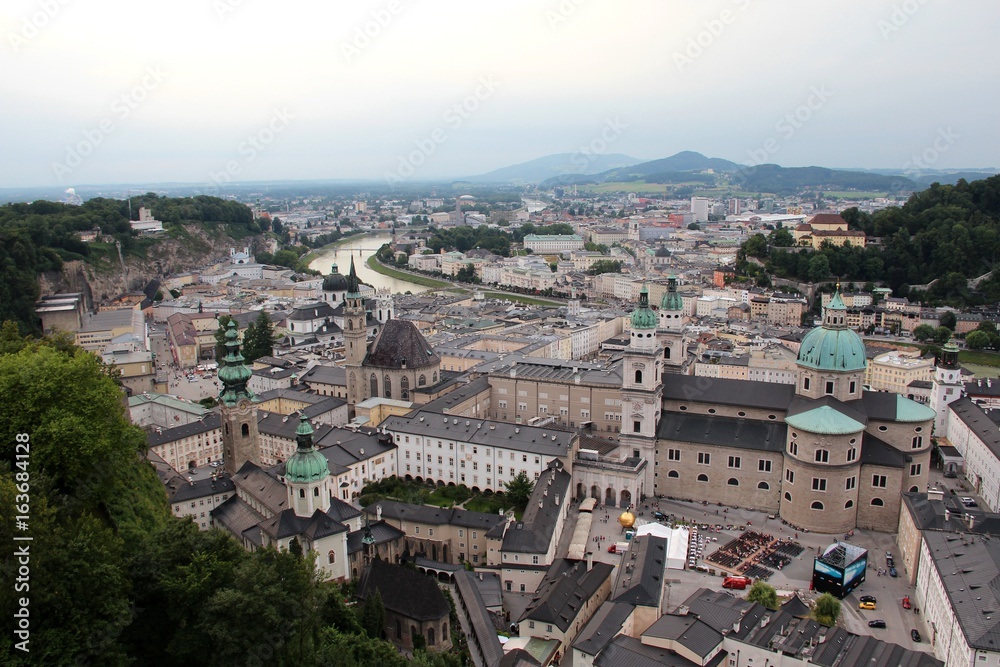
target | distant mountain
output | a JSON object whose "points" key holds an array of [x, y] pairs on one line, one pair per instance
{"points": [[551, 166], [677, 168], [787, 180], [924, 177]]}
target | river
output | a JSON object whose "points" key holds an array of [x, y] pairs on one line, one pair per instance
{"points": [[368, 245]]}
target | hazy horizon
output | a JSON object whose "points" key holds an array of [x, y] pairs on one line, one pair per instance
{"points": [[211, 91]]}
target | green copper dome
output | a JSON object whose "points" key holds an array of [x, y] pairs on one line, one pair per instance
{"points": [[643, 317], [306, 464], [833, 347], [233, 373], [671, 299]]}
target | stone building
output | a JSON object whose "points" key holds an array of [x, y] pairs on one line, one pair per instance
{"points": [[414, 605]]}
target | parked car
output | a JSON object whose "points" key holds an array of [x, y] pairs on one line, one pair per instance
{"points": [[969, 502], [867, 605], [914, 635], [892, 572], [906, 602], [659, 516], [736, 583], [868, 598], [876, 624]]}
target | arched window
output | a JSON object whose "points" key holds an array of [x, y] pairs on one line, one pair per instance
{"points": [[878, 502], [638, 376], [788, 496], [816, 505], [434, 378], [413, 632], [302, 493], [444, 631], [666, 353], [316, 492], [245, 429], [764, 486], [673, 473], [918, 442], [399, 629], [404, 388], [913, 489], [374, 386], [703, 478], [422, 380], [387, 386], [733, 482], [350, 325], [822, 456], [849, 504], [227, 429], [331, 557], [430, 636]]}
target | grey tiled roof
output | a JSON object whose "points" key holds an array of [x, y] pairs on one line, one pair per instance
{"points": [[404, 591], [723, 431], [438, 516], [603, 627], [209, 422], [180, 490], [399, 344], [534, 533], [978, 422], [564, 591], [627, 651], [640, 573], [687, 630], [381, 531], [748, 393], [485, 635], [879, 453]]}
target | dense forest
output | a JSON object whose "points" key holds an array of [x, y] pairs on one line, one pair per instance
{"points": [[946, 234], [113, 578], [40, 236]]}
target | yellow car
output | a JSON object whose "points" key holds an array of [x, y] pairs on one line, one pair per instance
{"points": [[867, 605]]}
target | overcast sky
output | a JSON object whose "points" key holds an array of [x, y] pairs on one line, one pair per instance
{"points": [[103, 91]]}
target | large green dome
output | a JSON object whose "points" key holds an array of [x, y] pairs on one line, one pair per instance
{"points": [[833, 346], [305, 467], [643, 317], [671, 299]]}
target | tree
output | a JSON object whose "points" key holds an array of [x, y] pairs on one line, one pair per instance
{"points": [[694, 226], [605, 266], [988, 327], [373, 615], [220, 337], [764, 593], [948, 319], [941, 335], [518, 490], [827, 609], [467, 274], [923, 332], [756, 246], [819, 267], [977, 340], [258, 341], [781, 238]]}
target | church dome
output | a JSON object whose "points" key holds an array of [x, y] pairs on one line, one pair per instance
{"points": [[335, 281], [833, 346], [671, 299], [662, 252], [643, 317], [306, 464]]}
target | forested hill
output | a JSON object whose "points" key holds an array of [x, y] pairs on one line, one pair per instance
{"points": [[41, 236], [946, 233]]}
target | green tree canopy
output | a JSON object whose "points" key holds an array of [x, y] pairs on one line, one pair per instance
{"points": [[948, 319], [827, 609], [977, 340], [258, 341], [923, 332], [518, 490], [605, 266], [763, 593]]}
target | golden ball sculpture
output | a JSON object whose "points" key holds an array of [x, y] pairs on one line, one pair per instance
{"points": [[627, 519]]}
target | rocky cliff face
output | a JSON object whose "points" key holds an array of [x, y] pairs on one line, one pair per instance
{"points": [[103, 281]]}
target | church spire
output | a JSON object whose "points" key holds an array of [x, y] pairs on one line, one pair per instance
{"points": [[234, 374], [353, 286]]}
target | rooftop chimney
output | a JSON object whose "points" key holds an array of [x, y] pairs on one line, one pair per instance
{"points": [[935, 494], [590, 561]]}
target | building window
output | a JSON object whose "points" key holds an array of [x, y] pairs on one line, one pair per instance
{"points": [[819, 484], [763, 486], [918, 442], [853, 387], [793, 448], [763, 465], [673, 455], [879, 481], [822, 456], [877, 502], [816, 505], [422, 380], [805, 384], [387, 385], [638, 377], [735, 462], [790, 476], [915, 469], [673, 473], [332, 557], [404, 388], [702, 477], [852, 454], [373, 381], [636, 426], [788, 496], [849, 504], [850, 483], [829, 387], [733, 481], [704, 458]]}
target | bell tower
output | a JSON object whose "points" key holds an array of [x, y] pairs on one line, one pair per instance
{"points": [[947, 385], [355, 338], [642, 388], [240, 437]]}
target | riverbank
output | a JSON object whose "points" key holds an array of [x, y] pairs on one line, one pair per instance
{"points": [[311, 256], [405, 276]]}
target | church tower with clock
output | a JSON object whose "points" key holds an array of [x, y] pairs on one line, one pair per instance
{"points": [[240, 437]]}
